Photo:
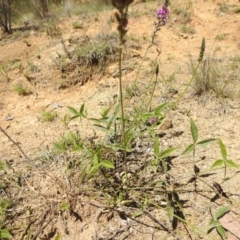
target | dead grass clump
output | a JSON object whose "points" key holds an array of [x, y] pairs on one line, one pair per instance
{"points": [[216, 76]]}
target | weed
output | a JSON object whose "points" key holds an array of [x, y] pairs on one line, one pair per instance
{"points": [[52, 29], [184, 14], [77, 25], [4, 205], [223, 7], [220, 37], [48, 116], [187, 29], [211, 78], [218, 48], [214, 223], [94, 6], [21, 89]]}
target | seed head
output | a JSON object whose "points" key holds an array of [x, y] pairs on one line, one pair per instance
{"points": [[202, 50]]}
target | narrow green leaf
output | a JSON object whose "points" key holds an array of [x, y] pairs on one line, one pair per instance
{"points": [[1, 165], [223, 149], [107, 164], [217, 163], [189, 149], [74, 117], [221, 211], [170, 211], [60, 147], [232, 164], [213, 223], [94, 168], [206, 142], [5, 234], [82, 109], [100, 127], [158, 110], [155, 165], [144, 117], [72, 110], [156, 147], [137, 214], [167, 152], [194, 131], [104, 114], [222, 232]]}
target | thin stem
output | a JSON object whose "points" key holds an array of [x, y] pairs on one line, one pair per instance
{"points": [[185, 89], [154, 88], [121, 104], [15, 143]]}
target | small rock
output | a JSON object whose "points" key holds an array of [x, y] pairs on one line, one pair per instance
{"points": [[56, 105], [9, 117], [167, 124]]}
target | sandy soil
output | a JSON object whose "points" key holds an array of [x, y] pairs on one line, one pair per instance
{"points": [[32, 59]]}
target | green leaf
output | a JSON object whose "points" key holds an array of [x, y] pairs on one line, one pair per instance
{"points": [[60, 147], [105, 113], [222, 232], [137, 214], [189, 149], [167, 152], [74, 117], [58, 237], [155, 165], [206, 142], [223, 149], [170, 210], [194, 131], [144, 117], [95, 167], [217, 163], [231, 164], [156, 147], [72, 110], [158, 110], [100, 127], [1, 166], [5, 234], [213, 223], [64, 206], [82, 109], [107, 164], [221, 211]]}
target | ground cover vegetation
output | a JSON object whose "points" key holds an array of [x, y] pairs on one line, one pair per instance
{"points": [[121, 166]]}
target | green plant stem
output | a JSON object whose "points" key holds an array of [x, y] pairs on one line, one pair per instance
{"points": [[185, 89], [121, 103], [154, 88]]}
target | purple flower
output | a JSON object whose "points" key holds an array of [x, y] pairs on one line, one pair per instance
{"points": [[152, 120], [162, 14]]}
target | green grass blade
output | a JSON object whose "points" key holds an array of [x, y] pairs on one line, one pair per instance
{"points": [[156, 147]]}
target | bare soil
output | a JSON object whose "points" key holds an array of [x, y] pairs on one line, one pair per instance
{"points": [[38, 183]]}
